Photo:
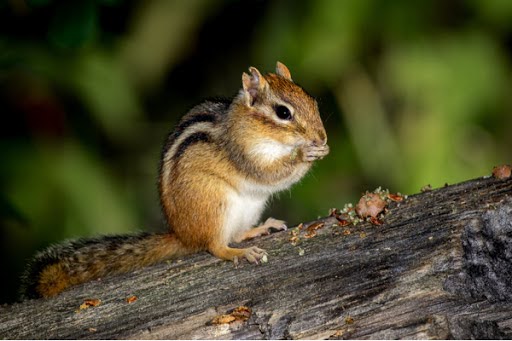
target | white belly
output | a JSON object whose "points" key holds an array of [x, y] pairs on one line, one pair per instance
{"points": [[243, 212]]}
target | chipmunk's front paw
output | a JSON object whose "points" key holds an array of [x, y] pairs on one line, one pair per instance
{"points": [[272, 223], [314, 152], [262, 230]]}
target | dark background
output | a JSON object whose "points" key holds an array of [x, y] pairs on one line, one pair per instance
{"points": [[411, 93]]}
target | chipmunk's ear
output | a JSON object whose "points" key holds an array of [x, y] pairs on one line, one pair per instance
{"points": [[283, 71], [254, 85]]}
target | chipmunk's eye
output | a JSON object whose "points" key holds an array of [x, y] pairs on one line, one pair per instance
{"points": [[283, 112]]}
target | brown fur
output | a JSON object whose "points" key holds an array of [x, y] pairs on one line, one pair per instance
{"points": [[62, 266], [209, 168]]}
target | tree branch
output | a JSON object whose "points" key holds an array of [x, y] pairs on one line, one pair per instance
{"points": [[439, 267]]}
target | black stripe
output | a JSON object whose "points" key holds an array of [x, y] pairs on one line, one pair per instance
{"points": [[208, 111], [193, 120], [200, 136], [181, 128]]}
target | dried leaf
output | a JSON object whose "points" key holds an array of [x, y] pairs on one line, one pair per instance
{"points": [[376, 221], [242, 313], [396, 197], [370, 205], [342, 222], [310, 234], [131, 299], [311, 229], [93, 302], [502, 172], [223, 319], [316, 226]]}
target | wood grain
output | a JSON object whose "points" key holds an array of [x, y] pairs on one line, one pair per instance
{"points": [[439, 267]]}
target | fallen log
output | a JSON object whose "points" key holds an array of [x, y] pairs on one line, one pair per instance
{"points": [[439, 266]]}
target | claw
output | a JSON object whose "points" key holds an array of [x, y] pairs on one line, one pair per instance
{"points": [[254, 254]]}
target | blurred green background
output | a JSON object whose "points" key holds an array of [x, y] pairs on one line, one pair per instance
{"points": [[411, 93]]}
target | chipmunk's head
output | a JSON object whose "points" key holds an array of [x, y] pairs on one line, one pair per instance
{"points": [[280, 109]]}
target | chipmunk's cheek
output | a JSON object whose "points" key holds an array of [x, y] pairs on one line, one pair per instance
{"points": [[270, 150]]}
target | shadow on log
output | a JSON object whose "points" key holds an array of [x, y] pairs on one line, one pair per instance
{"points": [[439, 267]]}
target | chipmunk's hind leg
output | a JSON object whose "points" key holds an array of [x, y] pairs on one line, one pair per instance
{"points": [[252, 254]]}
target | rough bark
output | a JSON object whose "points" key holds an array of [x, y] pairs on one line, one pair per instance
{"points": [[439, 267]]}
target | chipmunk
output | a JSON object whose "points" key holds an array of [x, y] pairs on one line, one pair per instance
{"points": [[217, 171]]}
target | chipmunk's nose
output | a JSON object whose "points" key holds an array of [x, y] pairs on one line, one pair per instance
{"points": [[321, 140]]}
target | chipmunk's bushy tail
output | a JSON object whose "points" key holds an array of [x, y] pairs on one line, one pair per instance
{"points": [[63, 265]]}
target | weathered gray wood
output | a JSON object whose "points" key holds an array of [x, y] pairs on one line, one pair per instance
{"points": [[439, 267]]}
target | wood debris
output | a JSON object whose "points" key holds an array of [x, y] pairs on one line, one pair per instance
{"points": [[311, 229], [91, 302], [241, 313], [131, 299]]}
